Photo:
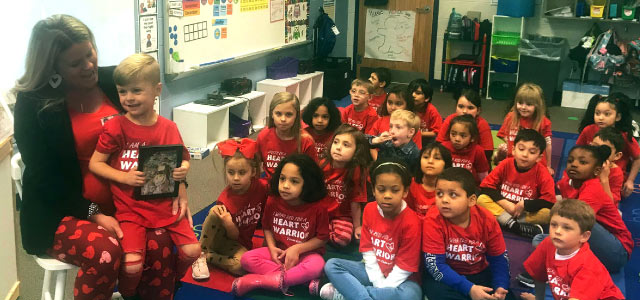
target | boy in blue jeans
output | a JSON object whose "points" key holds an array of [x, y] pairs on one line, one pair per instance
{"points": [[464, 251]]}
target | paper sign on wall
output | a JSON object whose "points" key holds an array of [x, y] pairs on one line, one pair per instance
{"points": [[297, 21], [253, 5], [147, 7], [277, 10], [389, 35], [148, 34]]}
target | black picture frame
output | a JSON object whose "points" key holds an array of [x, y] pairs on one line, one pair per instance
{"points": [[158, 162]]}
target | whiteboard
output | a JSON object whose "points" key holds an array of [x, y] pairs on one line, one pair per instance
{"points": [[202, 33]]}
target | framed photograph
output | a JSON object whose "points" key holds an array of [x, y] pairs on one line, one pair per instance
{"points": [[157, 163]]}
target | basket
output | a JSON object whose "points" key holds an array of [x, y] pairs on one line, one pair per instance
{"points": [[505, 38], [502, 65], [597, 11], [628, 12]]}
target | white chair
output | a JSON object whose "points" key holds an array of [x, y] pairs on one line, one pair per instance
{"points": [[52, 267]]}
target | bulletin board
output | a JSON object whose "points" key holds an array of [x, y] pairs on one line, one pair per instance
{"points": [[203, 33]]}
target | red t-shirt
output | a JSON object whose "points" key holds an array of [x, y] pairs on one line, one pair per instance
{"points": [[362, 120], [430, 119], [607, 215], [321, 141], [293, 225], [121, 139], [509, 133], [246, 209], [465, 248], [273, 149], [338, 203], [616, 179], [86, 130], [471, 158], [485, 140], [582, 277], [419, 199], [377, 100], [393, 241], [535, 183], [630, 152], [383, 124]]}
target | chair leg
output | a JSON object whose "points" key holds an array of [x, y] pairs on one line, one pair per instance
{"points": [[61, 278], [45, 285]]}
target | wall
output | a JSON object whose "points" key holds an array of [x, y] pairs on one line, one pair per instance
{"points": [[112, 23], [462, 6], [196, 86]]}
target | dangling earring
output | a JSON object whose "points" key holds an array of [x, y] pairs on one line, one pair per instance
{"points": [[55, 80]]}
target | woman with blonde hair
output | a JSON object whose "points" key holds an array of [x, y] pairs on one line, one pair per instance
{"points": [[63, 99]]}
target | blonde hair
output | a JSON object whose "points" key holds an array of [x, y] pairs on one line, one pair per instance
{"points": [[363, 83], [283, 98], [412, 120], [530, 94], [49, 38], [137, 67]]}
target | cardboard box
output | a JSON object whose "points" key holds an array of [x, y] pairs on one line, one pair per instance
{"points": [[577, 95]]}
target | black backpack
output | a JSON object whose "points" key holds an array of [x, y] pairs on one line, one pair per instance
{"points": [[325, 38]]}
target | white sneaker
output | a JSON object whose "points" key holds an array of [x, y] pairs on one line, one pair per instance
{"points": [[328, 292], [200, 268]]}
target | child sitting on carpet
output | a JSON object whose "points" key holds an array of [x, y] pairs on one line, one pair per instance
{"points": [[528, 111], [613, 111], [520, 191], [390, 244], [296, 228], [611, 176], [610, 239], [434, 159], [565, 260], [465, 152], [380, 79], [228, 229], [359, 114], [345, 169], [468, 102], [430, 119], [464, 251], [397, 143], [397, 98], [321, 118]]}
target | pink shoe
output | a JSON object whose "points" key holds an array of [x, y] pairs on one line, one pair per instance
{"points": [[314, 287], [273, 282]]}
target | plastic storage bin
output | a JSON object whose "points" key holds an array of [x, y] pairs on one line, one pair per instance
{"points": [[628, 13], [597, 11], [502, 90], [516, 8], [503, 65], [284, 68], [505, 38]]}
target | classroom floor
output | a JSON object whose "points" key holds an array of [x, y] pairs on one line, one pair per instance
{"points": [[206, 183]]}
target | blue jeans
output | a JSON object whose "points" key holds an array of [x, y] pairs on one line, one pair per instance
{"points": [[607, 248], [351, 280]]}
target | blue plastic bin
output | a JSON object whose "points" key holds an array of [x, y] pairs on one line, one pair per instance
{"points": [[502, 65], [516, 8]]}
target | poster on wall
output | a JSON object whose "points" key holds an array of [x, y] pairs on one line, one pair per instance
{"points": [[389, 35], [148, 34], [297, 21], [277, 10], [329, 7], [147, 7], [253, 5]]}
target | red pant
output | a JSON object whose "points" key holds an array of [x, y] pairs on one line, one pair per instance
{"points": [[98, 254]]}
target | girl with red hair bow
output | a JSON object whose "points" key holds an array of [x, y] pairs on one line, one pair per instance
{"points": [[228, 229]]}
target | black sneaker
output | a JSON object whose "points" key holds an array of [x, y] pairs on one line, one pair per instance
{"points": [[525, 279], [527, 230]]}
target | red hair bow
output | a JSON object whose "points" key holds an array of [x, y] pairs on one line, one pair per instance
{"points": [[247, 147]]}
